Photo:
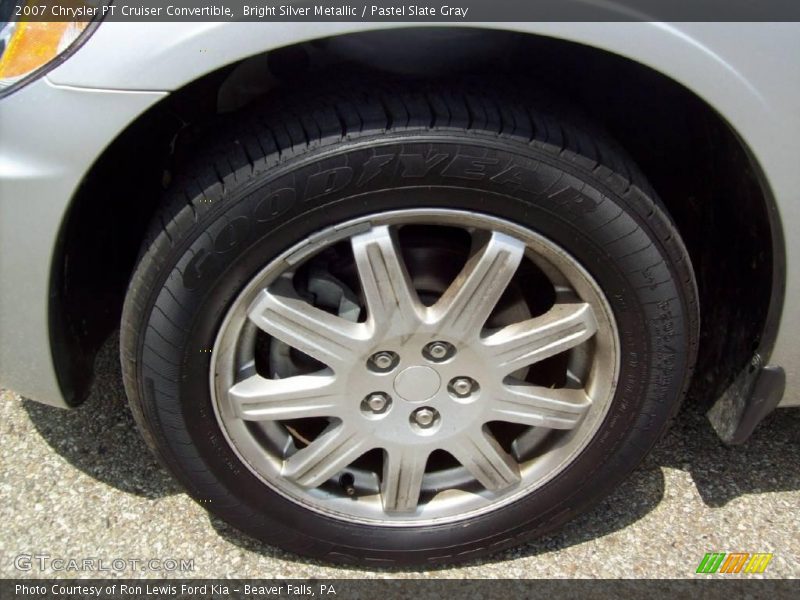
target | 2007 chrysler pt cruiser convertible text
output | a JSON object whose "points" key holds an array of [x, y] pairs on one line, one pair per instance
{"points": [[397, 295]]}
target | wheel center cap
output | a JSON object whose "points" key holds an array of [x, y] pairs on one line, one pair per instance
{"points": [[417, 384]]}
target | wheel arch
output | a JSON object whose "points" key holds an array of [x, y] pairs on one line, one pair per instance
{"points": [[686, 125]]}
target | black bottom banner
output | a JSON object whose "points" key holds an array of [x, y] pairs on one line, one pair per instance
{"points": [[416, 589]]}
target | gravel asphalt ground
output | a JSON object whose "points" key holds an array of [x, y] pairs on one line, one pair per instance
{"points": [[82, 484]]}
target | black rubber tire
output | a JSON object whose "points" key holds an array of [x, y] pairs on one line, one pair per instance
{"points": [[262, 180]]}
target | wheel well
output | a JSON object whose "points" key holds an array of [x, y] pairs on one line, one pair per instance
{"points": [[699, 167]]}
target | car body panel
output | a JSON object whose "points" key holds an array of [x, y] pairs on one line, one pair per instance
{"points": [[51, 135], [746, 72]]}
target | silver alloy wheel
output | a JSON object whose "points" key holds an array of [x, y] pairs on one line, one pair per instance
{"points": [[384, 384]]}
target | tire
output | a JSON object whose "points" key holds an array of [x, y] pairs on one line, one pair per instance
{"points": [[259, 182]]}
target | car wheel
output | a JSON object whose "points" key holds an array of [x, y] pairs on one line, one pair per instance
{"points": [[406, 323]]}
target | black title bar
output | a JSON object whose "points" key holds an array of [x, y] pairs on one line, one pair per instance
{"points": [[439, 11]]}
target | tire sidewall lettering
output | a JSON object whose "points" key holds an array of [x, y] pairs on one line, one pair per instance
{"points": [[399, 167]]}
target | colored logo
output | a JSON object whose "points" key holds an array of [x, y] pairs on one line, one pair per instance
{"points": [[734, 562]]}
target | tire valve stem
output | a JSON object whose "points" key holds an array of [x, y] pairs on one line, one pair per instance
{"points": [[346, 481]]}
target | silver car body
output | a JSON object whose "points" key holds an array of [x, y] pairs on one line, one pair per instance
{"points": [[746, 71]]}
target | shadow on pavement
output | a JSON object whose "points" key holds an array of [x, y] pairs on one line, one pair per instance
{"points": [[100, 439], [767, 462]]}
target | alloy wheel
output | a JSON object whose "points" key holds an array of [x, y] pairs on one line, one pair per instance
{"points": [[375, 374]]}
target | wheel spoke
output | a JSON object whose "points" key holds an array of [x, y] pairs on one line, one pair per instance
{"points": [[561, 328], [390, 297], [539, 406], [480, 453], [332, 340], [403, 470], [467, 303], [331, 452], [259, 399]]}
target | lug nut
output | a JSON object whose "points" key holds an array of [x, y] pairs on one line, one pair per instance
{"points": [[462, 386], [376, 405], [438, 351], [424, 417], [377, 402], [383, 361]]}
